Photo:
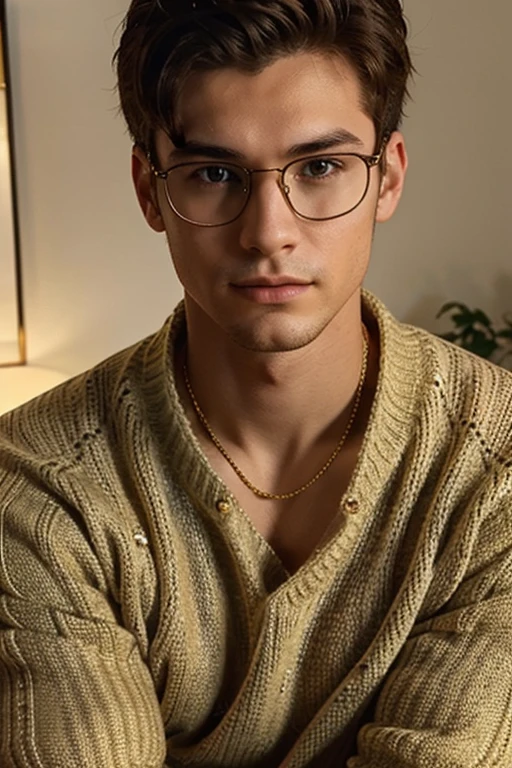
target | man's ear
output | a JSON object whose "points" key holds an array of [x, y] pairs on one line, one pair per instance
{"points": [[392, 181], [145, 188]]}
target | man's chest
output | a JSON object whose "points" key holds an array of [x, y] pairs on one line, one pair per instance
{"points": [[263, 653], [294, 527]]}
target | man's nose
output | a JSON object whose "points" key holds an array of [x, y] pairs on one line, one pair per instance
{"points": [[268, 224]]}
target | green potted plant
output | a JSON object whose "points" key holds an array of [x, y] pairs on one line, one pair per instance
{"points": [[474, 330]]}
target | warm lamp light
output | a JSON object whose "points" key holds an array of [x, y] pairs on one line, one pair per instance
{"points": [[21, 383]]}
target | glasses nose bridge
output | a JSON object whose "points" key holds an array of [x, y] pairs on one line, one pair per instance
{"points": [[280, 181]]}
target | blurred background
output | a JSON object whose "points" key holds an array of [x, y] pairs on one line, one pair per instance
{"points": [[96, 279]]}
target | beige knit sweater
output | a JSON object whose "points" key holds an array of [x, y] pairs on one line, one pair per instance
{"points": [[143, 624]]}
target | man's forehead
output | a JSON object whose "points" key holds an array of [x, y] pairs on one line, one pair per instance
{"points": [[295, 101], [310, 74]]}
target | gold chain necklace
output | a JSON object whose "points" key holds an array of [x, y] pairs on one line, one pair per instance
{"points": [[245, 480]]}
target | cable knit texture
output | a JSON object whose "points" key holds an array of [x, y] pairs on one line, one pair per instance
{"points": [[143, 623]]}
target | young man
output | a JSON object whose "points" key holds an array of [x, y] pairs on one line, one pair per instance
{"points": [[277, 532]]}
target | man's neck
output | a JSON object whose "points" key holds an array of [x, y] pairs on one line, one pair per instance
{"points": [[277, 405]]}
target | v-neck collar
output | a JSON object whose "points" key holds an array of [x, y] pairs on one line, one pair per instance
{"points": [[389, 430]]}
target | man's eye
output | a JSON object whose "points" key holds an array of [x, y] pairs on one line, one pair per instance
{"points": [[321, 167], [215, 174]]}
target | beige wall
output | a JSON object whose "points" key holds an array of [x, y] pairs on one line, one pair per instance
{"points": [[452, 238], [97, 279]]}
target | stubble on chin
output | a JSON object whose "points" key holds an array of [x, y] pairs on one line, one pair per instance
{"points": [[287, 338]]}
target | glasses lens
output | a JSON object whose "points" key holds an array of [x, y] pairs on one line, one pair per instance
{"points": [[326, 187], [209, 194]]}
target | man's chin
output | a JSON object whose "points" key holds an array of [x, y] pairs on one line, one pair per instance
{"points": [[283, 340]]}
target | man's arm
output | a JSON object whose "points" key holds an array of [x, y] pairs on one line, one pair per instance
{"points": [[447, 702], [74, 687]]}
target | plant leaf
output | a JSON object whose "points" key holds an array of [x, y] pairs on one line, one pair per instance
{"points": [[482, 318], [483, 347], [449, 306], [464, 318], [450, 336]]}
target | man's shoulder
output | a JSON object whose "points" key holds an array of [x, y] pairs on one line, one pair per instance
{"points": [[445, 384], [60, 420], [467, 375], [475, 394]]}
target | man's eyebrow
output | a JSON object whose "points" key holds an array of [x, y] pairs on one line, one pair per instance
{"points": [[336, 138], [198, 149]]}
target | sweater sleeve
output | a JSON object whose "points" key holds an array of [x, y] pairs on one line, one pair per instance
{"points": [[75, 689], [448, 699]]}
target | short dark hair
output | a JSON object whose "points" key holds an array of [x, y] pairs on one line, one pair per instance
{"points": [[165, 41]]}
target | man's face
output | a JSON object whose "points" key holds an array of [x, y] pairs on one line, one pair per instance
{"points": [[271, 281]]}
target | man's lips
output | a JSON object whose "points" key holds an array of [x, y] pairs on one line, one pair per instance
{"points": [[271, 290], [270, 281]]}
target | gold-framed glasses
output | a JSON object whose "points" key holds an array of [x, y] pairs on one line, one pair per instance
{"points": [[213, 193]]}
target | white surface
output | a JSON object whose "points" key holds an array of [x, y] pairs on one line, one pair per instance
{"points": [[97, 279], [21, 383]]}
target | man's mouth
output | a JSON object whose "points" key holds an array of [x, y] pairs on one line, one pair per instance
{"points": [[275, 289]]}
